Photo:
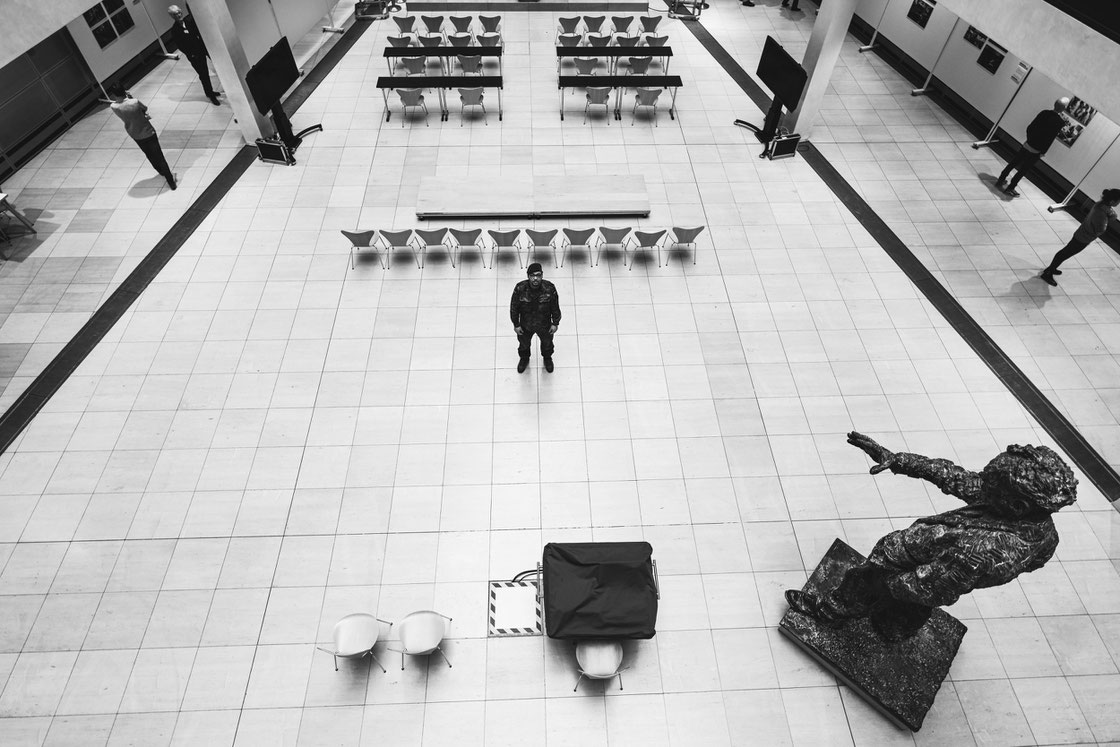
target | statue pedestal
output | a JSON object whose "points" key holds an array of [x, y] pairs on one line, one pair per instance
{"points": [[898, 679]]}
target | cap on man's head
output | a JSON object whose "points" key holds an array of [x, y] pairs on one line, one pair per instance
{"points": [[535, 267]]}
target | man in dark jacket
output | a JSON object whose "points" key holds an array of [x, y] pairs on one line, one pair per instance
{"points": [[534, 309], [188, 41], [1041, 133]]}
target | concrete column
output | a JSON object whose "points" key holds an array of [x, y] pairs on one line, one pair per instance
{"points": [[215, 24], [820, 60]]}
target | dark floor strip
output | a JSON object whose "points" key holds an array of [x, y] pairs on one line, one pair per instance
{"points": [[39, 392], [1087, 459]]}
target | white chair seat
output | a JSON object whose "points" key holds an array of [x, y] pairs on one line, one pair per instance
{"points": [[356, 634], [421, 632], [599, 660]]}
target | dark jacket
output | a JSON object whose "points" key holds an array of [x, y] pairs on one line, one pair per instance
{"points": [[534, 309], [187, 39], [1043, 129], [1095, 223]]}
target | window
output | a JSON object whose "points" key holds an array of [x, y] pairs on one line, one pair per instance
{"points": [[108, 20]]}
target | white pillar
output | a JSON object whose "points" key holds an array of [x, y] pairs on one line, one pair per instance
{"points": [[215, 25], [828, 35]]}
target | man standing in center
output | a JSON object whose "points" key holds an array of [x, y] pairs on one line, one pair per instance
{"points": [[534, 309], [1041, 133]]}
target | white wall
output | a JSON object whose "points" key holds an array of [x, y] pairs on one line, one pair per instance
{"points": [[988, 92], [922, 44], [28, 22], [257, 29]]}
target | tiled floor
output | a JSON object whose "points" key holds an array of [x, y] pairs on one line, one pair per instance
{"points": [[268, 441]]}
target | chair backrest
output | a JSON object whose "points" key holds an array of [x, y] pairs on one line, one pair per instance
{"points": [[434, 24], [541, 238], [505, 238], [354, 634], [465, 237], [646, 238], [649, 23], [639, 65], [434, 236], [593, 23], [569, 40], [405, 23], [627, 41], [596, 95], [398, 238], [621, 24], [490, 24], [686, 235], [489, 39], [614, 235], [599, 660], [656, 41], [586, 65], [471, 63], [462, 23], [599, 40], [411, 96], [431, 40], [399, 41], [460, 40], [470, 96], [414, 65], [648, 97], [578, 236], [360, 238], [569, 25]]}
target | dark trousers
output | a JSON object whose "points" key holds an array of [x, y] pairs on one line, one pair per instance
{"points": [[150, 146], [1073, 247], [1024, 160], [199, 65], [525, 342]]}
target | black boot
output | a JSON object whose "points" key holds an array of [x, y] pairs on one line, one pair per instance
{"points": [[548, 364], [522, 365]]}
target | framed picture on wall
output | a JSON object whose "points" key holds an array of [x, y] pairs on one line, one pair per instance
{"points": [[1080, 111], [1069, 133], [991, 56], [920, 11], [975, 37]]}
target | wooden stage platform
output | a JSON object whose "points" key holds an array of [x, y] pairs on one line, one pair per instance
{"points": [[532, 197]]}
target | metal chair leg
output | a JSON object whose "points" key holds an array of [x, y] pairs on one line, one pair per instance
{"points": [[620, 681], [579, 680], [444, 656], [375, 661], [336, 663], [402, 661]]}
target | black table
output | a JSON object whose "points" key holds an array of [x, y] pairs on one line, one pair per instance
{"points": [[440, 83], [442, 52], [613, 53], [619, 82]]}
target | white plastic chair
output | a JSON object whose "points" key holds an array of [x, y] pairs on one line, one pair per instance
{"points": [[354, 638], [599, 660], [420, 633]]}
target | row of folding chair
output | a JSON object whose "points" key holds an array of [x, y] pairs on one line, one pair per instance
{"points": [[634, 65], [608, 40], [413, 98], [435, 25], [598, 24], [454, 40], [601, 96], [469, 64], [454, 241]]}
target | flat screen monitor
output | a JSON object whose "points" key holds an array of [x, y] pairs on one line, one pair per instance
{"points": [[273, 74], [781, 73]]}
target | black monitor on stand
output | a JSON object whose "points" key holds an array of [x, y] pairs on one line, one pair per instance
{"points": [[786, 78], [268, 80]]}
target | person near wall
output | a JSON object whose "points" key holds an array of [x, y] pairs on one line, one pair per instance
{"points": [[534, 309], [184, 32], [1041, 133], [138, 125], [1093, 227]]}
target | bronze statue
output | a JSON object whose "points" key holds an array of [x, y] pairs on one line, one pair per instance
{"points": [[1005, 530]]}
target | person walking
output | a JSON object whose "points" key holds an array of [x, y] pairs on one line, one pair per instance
{"points": [[1041, 133], [534, 309], [138, 125], [188, 41], [1093, 227]]}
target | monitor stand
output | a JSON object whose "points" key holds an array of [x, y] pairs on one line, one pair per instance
{"points": [[769, 127]]}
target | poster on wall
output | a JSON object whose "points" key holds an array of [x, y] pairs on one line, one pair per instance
{"points": [[1069, 133], [1080, 111], [975, 37], [920, 11], [991, 56]]}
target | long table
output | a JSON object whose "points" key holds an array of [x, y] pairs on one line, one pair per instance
{"points": [[442, 52], [619, 82], [441, 83], [613, 53]]}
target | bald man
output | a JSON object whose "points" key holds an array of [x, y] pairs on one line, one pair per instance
{"points": [[1041, 133], [189, 42]]}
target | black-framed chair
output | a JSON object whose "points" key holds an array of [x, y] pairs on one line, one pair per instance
{"points": [[363, 240], [576, 238], [542, 239], [611, 237], [505, 240], [645, 240], [433, 239]]}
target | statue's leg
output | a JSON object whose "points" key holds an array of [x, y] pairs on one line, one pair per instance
{"points": [[896, 621]]}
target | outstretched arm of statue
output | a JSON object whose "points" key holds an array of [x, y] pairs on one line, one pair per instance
{"points": [[950, 478]]}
